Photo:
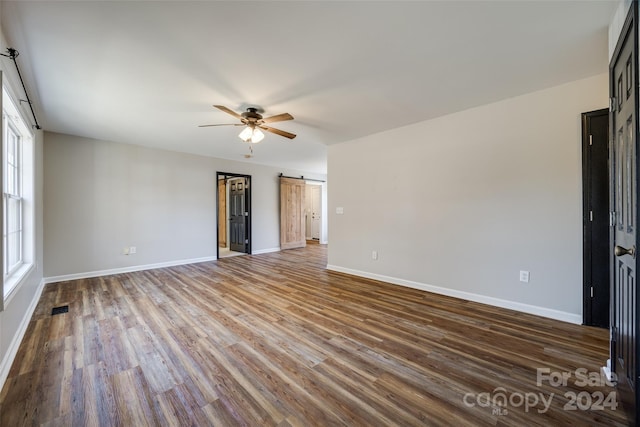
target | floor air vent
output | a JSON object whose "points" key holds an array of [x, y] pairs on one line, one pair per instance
{"points": [[60, 310]]}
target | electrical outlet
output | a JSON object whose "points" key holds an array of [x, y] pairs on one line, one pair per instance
{"points": [[374, 255], [524, 276], [125, 251], [133, 250]]}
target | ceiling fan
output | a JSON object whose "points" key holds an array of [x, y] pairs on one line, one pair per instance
{"points": [[254, 122]]}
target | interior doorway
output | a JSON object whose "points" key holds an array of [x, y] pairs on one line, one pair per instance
{"points": [[233, 214], [313, 211], [303, 211]]}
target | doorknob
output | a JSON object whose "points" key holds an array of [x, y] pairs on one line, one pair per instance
{"points": [[620, 251]]}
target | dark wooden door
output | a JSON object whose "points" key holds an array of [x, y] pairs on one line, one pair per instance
{"points": [[237, 215], [222, 213], [623, 193], [595, 172]]}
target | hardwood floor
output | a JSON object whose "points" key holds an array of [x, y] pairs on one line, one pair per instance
{"points": [[275, 339]]}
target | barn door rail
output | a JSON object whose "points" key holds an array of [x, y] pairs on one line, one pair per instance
{"points": [[301, 177]]}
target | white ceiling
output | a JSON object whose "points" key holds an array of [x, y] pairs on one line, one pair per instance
{"points": [[147, 72]]}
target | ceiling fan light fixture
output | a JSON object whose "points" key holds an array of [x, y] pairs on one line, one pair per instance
{"points": [[246, 134], [258, 136], [251, 134]]}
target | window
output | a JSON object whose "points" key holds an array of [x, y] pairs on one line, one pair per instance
{"points": [[12, 201], [17, 205]]}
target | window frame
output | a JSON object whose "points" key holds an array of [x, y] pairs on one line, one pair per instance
{"points": [[14, 121]]}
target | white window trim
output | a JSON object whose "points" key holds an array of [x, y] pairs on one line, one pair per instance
{"points": [[14, 280]]}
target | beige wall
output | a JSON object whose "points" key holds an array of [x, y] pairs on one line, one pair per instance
{"points": [[462, 203], [103, 196]]}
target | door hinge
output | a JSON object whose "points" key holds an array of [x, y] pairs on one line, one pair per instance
{"points": [[246, 214], [612, 219], [591, 216], [246, 241], [612, 103], [592, 292], [590, 139]]}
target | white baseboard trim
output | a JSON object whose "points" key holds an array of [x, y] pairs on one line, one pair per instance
{"points": [[12, 351], [606, 371], [130, 269], [483, 299], [265, 251]]}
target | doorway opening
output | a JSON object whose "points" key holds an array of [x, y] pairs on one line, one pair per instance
{"points": [[595, 218], [313, 212], [233, 214]]}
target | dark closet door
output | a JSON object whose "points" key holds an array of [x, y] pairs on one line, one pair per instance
{"points": [[596, 219], [238, 216]]}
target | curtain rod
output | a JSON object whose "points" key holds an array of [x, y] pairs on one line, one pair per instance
{"points": [[301, 177], [13, 54]]}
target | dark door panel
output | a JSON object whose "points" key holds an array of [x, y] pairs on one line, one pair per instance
{"points": [[595, 167], [237, 215], [623, 195]]}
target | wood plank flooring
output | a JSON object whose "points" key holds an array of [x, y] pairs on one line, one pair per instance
{"points": [[276, 340]]}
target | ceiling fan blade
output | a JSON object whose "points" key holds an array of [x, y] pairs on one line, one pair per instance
{"points": [[228, 111], [278, 132], [278, 118], [224, 124]]}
